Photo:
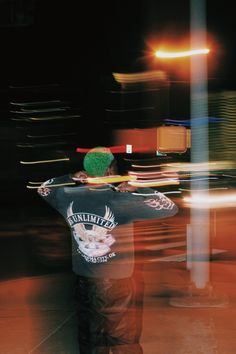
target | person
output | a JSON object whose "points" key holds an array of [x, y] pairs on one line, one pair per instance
{"points": [[109, 288]]}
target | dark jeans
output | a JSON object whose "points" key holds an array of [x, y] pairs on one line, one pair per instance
{"points": [[109, 315]]}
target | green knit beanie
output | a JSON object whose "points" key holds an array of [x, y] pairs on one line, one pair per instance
{"points": [[97, 161]]}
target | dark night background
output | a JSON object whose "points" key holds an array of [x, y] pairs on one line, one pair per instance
{"points": [[46, 41]]}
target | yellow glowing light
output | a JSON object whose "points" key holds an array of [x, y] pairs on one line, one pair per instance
{"points": [[110, 179], [187, 53], [91, 180], [156, 183]]}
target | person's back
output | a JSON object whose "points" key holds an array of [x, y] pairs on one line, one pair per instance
{"points": [[101, 222]]}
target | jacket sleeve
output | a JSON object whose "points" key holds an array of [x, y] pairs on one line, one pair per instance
{"points": [[151, 204], [49, 189]]}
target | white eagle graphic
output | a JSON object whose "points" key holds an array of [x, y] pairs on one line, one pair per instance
{"points": [[96, 241]]}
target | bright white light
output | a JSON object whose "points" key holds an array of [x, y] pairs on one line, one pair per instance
{"points": [[187, 53], [213, 201]]}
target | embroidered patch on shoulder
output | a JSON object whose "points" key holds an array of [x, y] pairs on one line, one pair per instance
{"points": [[159, 202]]}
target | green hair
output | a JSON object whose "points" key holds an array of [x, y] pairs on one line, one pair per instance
{"points": [[97, 161]]}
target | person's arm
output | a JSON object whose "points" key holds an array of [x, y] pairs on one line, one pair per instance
{"points": [[151, 204], [49, 189]]}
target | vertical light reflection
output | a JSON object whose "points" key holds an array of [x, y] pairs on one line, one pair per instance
{"points": [[199, 146]]}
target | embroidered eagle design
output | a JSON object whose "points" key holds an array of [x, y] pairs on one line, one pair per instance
{"points": [[93, 240]]}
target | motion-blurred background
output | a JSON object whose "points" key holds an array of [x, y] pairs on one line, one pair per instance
{"points": [[80, 74]]}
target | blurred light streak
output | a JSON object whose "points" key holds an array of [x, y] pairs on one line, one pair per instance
{"points": [[187, 53], [131, 78], [41, 110], [37, 103], [49, 135], [43, 161], [51, 185], [29, 119], [34, 182], [212, 201], [146, 166], [199, 190], [231, 176], [199, 166], [154, 183], [197, 121], [130, 109], [110, 179], [90, 180], [152, 174], [199, 179], [26, 145], [173, 192], [153, 178]]}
